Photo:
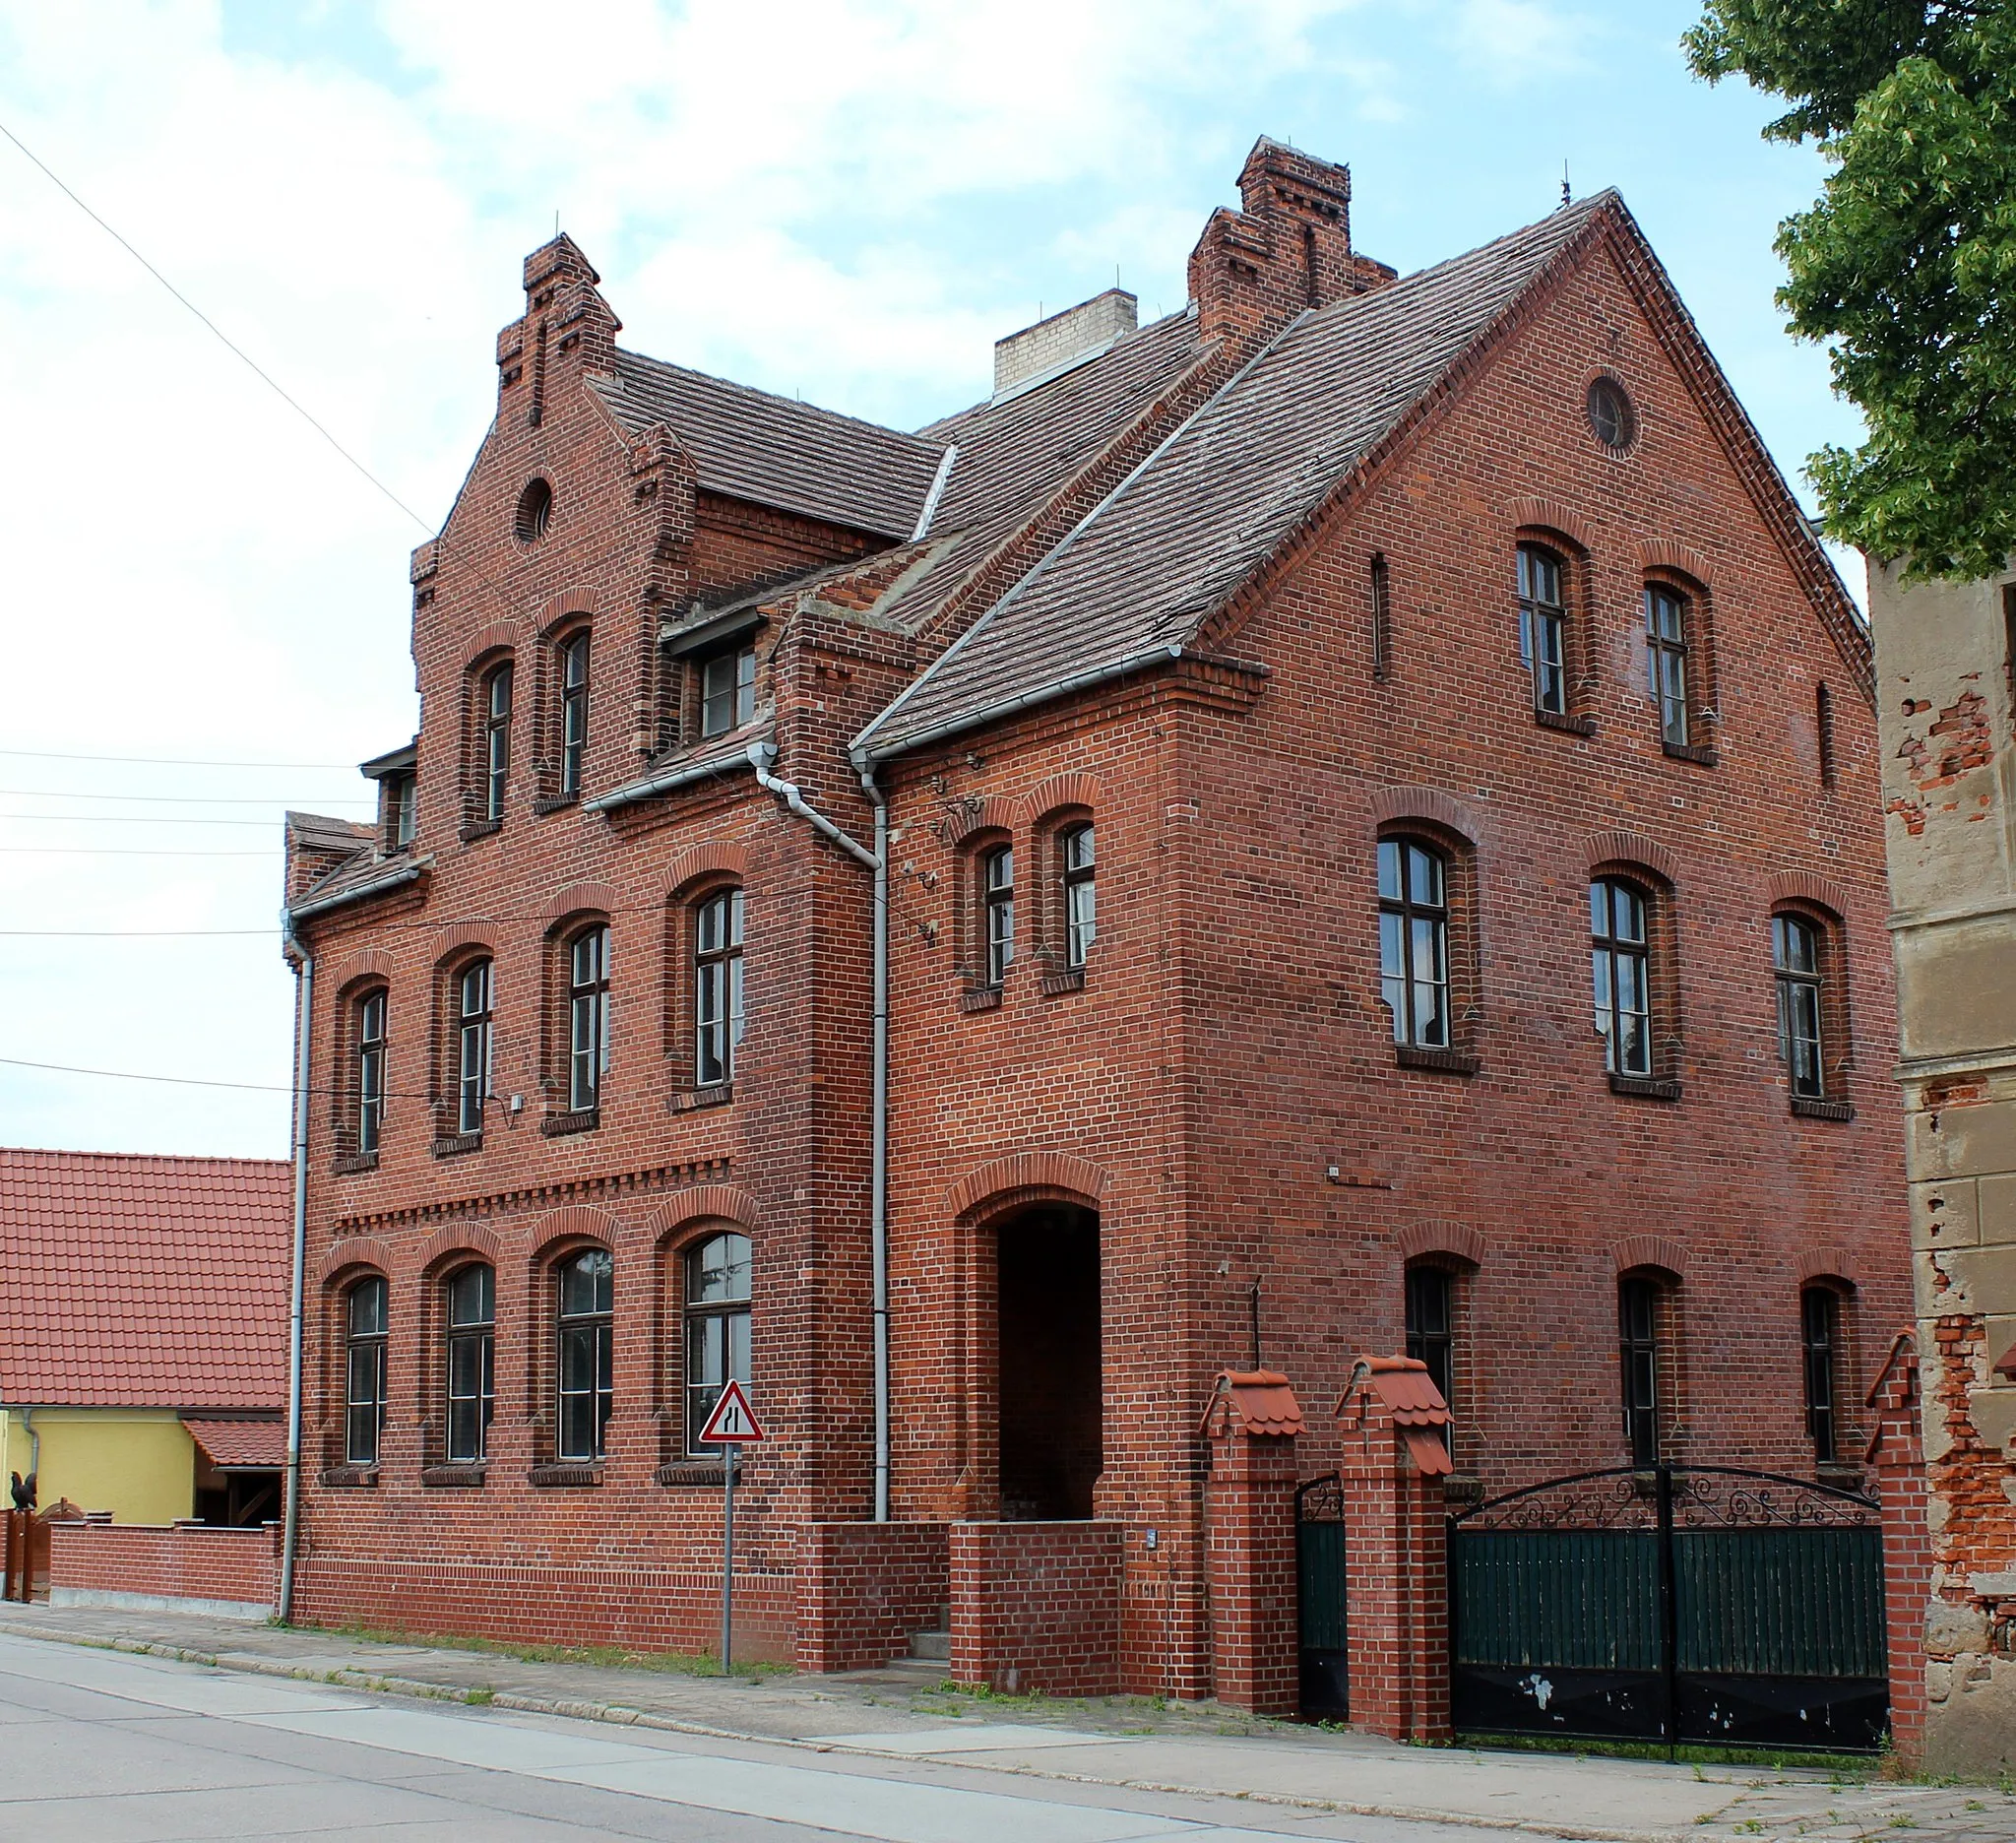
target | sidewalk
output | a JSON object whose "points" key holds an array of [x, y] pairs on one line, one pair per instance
{"points": [[904, 1712]]}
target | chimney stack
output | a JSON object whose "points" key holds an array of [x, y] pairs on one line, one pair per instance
{"points": [[1064, 339]]}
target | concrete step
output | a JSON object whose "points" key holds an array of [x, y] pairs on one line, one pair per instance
{"points": [[935, 1645]]}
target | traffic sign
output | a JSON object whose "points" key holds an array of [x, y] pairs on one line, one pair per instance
{"points": [[733, 1422]]}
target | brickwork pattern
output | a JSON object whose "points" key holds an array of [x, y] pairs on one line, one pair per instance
{"points": [[864, 1588], [1035, 1607], [174, 1561], [1251, 1557]]}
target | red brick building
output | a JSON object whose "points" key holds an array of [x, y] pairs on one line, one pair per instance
{"points": [[1270, 721]]}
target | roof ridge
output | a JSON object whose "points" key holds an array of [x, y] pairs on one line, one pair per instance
{"points": [[922, 442], [163, 1158]]}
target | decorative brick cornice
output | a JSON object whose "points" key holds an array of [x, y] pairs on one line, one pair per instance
{"points": [[1602, 849], [1804, 886], [1658, 553], [370, 964], [354, 1251], [503, 636], [1391, 805], [534, 1197], [993, 1185], [1829, 1263], [703, 1203], [579, 897], [460, 1238], [716, 858], [1458, 1239], [1550, 514], [1060, 790], [1651, 1251]]}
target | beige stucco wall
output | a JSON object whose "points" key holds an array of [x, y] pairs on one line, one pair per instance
{"points": [[1948, 737], [138, 1463]]}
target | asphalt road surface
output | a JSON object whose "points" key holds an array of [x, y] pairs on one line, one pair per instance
{"points": [[115, 1749]]}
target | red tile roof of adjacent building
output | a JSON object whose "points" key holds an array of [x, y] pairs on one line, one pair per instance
{"points": [[132, 1281], [234, 1445]]}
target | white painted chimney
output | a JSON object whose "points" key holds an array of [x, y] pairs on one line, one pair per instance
{"points": [[1052, 345]]}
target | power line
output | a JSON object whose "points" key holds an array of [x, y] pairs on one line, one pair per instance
{"points": [[126, 851], [131, 933], [166, 799], [166, 761], [139, 818], [230, 346]]}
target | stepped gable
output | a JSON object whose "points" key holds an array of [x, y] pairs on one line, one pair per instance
{"points": [[1141, 574], [775, 451]]}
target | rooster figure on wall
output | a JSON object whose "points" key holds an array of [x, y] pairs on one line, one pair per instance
{"points": [[24, 1490]]}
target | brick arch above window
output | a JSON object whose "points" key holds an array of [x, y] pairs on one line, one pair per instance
{"points": [[1660, 555], [574, 1222], [1829, 1263], [361, 1252], [719, 1203], [569, 604], [1400, 805], [719, 860], [1656, 1252], [1425, 1241], [1802, 886], [463, 934], [468, 1240], [1549, 518], [1608, 851], [999, 1183], [1062, 791], [992, 814], [583, 898], [371, 965], [498, 637]]}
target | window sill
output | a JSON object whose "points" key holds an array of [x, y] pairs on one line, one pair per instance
{"points": [[1566, 721], [1689, 751], [692, 1472], [1841, 1477], [1805, 1106], [454, 1145], [692, 1099], [550, 1477], [1463, 1487], [1069, 981], [559, 1125], [555, 803], [349, 1478], [980, 998], [1645, 1087], [452, 1477], [473, 829], [1443, 1061], [353, 1163]]}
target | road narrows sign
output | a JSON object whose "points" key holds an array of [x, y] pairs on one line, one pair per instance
{"points": [[733, 1422]]}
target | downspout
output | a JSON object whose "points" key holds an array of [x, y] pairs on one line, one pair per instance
{"points": [[761, 755], [305, 1000]]}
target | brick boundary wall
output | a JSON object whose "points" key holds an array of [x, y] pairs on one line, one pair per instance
{"points": [[1252, 1570], [232, 1571], [864, 1587], [643, 1609], [1035, 1607]]}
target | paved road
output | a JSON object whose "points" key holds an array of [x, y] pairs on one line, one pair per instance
{"points": [[123, 1750]]}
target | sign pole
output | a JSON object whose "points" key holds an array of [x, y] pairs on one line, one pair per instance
{"points": [[728, 1560]]}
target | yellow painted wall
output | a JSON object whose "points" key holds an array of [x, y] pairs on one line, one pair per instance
{"points": [[138, 1463]]}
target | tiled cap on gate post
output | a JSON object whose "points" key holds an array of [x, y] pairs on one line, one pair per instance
{"points": [[1403, 1389], [1259, 1403]]}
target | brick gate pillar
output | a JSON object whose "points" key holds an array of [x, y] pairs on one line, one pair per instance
{"points": [[1896, 1454], [1252, 1423], [1395, 1541]]}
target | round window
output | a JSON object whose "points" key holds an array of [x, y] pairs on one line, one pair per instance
{"points": [[535, 510], [1610, 413]]}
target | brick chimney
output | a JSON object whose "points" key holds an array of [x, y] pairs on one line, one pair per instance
{"points": [[566, 322], [1286, 249], [1075, 333]]}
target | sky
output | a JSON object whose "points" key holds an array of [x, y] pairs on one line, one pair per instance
{"points": [[844, 200]]}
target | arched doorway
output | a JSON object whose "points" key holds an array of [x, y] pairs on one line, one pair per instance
{"points": [[1051, 1424]]}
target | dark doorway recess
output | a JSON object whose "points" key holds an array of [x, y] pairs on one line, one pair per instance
{"points": [[1053, 1428]]}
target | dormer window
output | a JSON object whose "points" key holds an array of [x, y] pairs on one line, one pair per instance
{"points": [[728, 691], [395, 810]]}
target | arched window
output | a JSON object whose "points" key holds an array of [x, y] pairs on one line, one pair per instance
{"points": [[1820, 1340], [588, 1018], [496, 740], [586, 1365], [1666, 646], [472, 1309], [474, 997], [1432, 1326], [716, 1313], [369, 1024], [1544, 628], [1640, 1304], [1795, 958], [1414, 941], [1621, 965], [997, 913], [717, 986], [1081, 912], [365, 1327], [573, 711]]}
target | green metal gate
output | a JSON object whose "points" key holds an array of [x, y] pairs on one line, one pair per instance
{"points": [[1324, 1649], [1701, 1602]]}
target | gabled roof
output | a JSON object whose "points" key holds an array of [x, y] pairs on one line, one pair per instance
{"points": [[144, 1281], [1143, 571], [778, 452]]}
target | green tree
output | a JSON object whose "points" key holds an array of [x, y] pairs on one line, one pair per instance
{"points": [[1907, 265]]}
